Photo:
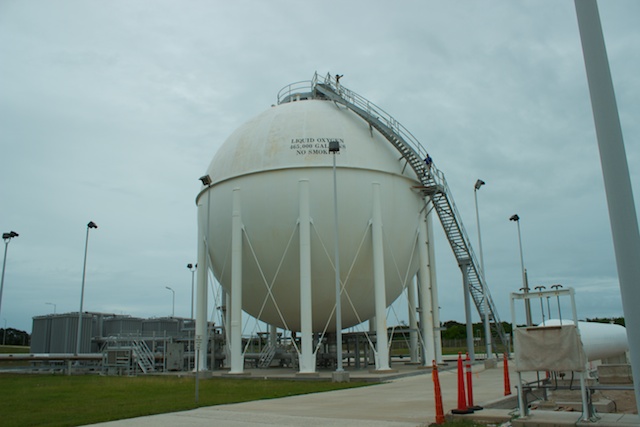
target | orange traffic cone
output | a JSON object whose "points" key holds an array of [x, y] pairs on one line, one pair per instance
{"points": [[438, 394], [470, 404], [462, 400], [507, 383]]}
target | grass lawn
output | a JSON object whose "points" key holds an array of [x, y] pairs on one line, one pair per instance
{"points": [[57, 400], [13, 349]]}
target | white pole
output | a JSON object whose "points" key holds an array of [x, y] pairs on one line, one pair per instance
{"points": [[467, 309], [202, 333], [237, 360], [487, 326], [307, 362], [339, 367], [84, 272], [615, 170], [413, 322], [426, 301], [435, 309], [7, 238], [382, 341]]}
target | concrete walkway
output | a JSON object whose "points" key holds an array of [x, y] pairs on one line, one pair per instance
{"points": [[405, 399], [402, 399]]}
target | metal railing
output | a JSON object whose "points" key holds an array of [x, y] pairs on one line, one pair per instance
{"points": [[434, 183]]}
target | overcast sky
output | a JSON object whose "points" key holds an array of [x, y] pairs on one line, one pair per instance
{"points": [[111, 110]]}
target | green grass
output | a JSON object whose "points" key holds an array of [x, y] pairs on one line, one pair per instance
{"points": [[8, 349], [13, 349], [57, 400]]}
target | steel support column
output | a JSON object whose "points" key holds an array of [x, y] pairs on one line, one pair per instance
{"points": [[307, 359], [237, 359], [382, 350], [426, 302]]}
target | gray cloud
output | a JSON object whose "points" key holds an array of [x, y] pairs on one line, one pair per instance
{"points": [[109, 111]]}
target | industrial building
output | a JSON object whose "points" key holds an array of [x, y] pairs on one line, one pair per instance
{"points": [[116, 343]]}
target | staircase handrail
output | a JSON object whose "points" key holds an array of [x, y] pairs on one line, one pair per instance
{"points": [[431, 178]]}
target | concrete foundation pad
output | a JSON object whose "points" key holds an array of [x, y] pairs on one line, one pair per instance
{"points": [[340, 377], [561, 419], [615, 374], [486, 416], [490, 363]]}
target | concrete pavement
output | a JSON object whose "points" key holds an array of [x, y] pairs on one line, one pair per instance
{"points": [[403, 399]]}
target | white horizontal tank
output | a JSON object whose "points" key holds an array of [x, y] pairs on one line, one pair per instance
{"points": [[599, 340], [266, 160]]}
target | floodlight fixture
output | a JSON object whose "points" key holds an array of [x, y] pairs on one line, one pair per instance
{"points": [[206, 180]]}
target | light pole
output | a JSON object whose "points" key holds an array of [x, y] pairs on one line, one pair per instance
{"points": [[173, 306], [540, 289], [54, 306], [7, 238], [201, 333], [525, 285], [4, 335], [555, 288], [84, 272], [487, 326], [192, 268], [334, 148]]}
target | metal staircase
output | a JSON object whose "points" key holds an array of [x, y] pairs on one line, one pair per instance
{"points": [[143, 355], [266, 356], [434, 185]]}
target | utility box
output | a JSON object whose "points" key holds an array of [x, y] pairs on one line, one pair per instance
{"points": [[174, 357]]}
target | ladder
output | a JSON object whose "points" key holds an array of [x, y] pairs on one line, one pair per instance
{"points": [[433, 186]]}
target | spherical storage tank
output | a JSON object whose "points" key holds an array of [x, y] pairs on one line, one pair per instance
{"points": [[266, 162]]}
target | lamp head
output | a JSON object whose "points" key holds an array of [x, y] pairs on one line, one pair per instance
{"points": [[334, 146], [92, 224], [189, 266], [514, 217], [206, 180], [479, 183], [9, 235]]}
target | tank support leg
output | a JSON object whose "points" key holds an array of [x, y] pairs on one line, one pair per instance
{"points": [[426, 303], [433, 282], [413, 322], [307, 359], [382, 348], [464, 266], [237, 360]]}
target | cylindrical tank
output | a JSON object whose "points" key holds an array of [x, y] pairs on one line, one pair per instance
{"points": [[599, 340], [266, 159]]}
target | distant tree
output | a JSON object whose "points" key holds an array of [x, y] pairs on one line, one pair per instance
{"points": [[616, 320], [14, 337], [453, 330]]}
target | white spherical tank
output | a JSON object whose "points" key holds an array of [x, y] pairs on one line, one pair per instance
{"points": [[266, 161]]}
